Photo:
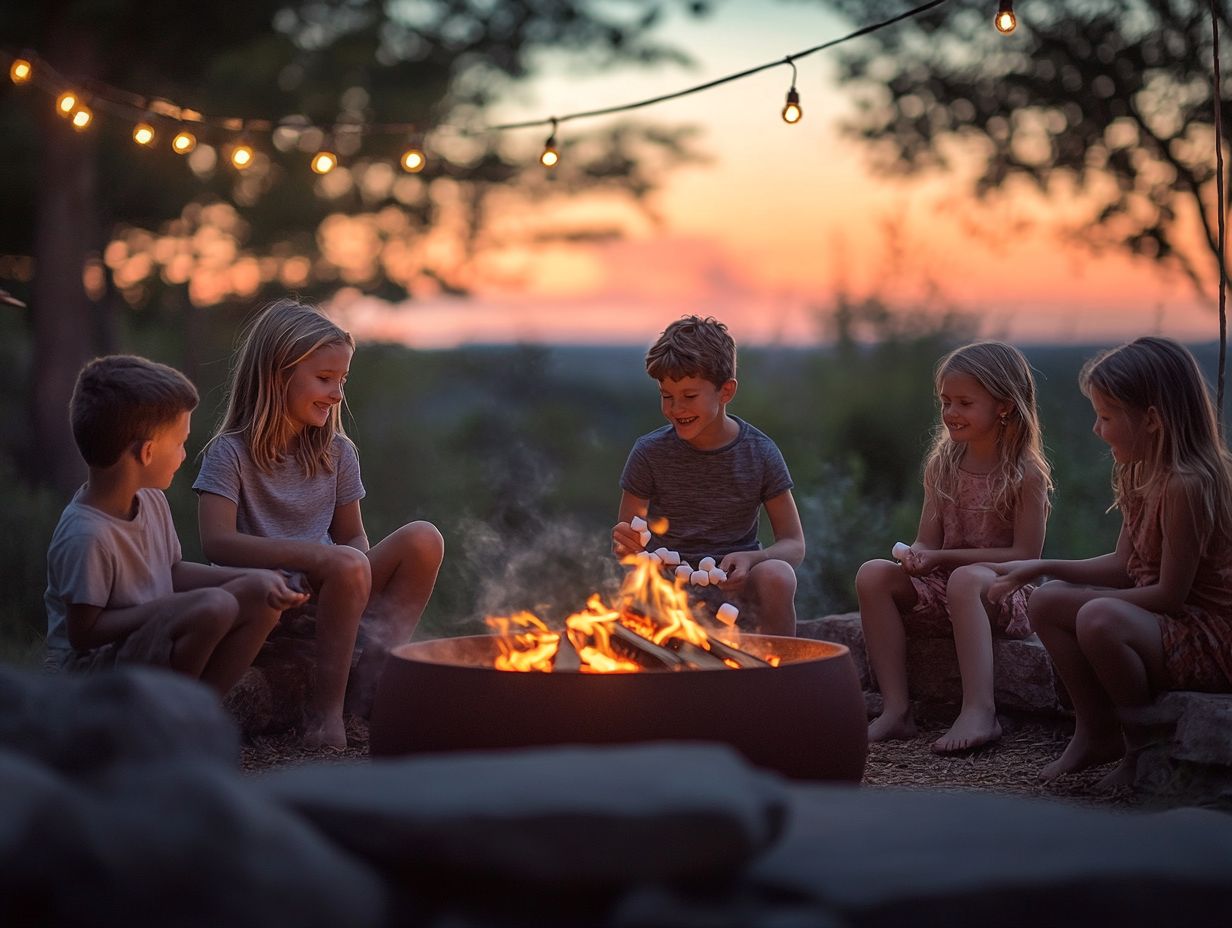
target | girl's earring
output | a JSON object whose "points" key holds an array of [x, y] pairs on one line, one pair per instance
{"points": [[1004, 419]]}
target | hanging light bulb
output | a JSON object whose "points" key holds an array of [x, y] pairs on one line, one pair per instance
{"points": [[82, 117], [20, 71], [324, 160], [241, 155], [183, 142], [1005, 20], [791, 109], [143, 133], [66, 103], [550, 156], [413, 160]]}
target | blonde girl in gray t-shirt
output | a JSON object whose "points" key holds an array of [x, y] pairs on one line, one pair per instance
{"points": [[280, 487]]}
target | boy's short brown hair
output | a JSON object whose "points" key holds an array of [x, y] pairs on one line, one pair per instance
{"points": [[693, 347], [121, 400]]}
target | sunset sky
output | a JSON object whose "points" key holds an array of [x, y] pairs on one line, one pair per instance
{"points": [[781, 217]]}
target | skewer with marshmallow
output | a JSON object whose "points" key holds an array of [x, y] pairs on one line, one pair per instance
{"points": [[639, 525], [900, 551]]}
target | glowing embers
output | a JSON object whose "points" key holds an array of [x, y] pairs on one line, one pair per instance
{"points": [[652, 627]]}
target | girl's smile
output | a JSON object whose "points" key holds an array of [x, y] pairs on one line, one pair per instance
{"points": [[970, 413], [316, 385]]}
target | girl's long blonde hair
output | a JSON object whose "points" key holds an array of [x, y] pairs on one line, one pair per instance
{"points": [[1159, 373], [1003, 371], [278, 338]]}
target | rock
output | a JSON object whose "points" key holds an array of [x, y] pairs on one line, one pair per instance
{"points": [[271, 696], [168, 843], [570, 817], [82, 723], [1191, 751], [1023, 675], [897, 857]]}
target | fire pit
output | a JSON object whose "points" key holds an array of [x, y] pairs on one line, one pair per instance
{"points": [[642, 670]]}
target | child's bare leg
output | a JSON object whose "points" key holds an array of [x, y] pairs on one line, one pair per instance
{"points": [[1125, 647], [1054, 611], [197, 621], [404, 568], [885, 593], [344, 589], [977, 720], [772, 586], [254, 620]]}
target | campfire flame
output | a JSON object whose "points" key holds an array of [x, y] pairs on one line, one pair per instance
{"points": [[654, 608]]}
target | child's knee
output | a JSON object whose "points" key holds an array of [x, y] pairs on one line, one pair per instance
{"points": [[773, 578], [874, 575], [349, 569], [1097, 622], [211, 608], [967, 581], [1044, 605], [423, 543]]}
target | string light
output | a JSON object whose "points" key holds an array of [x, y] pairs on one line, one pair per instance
{"points": [[413, 160], [66, 103], [1005, 20], [324, 160], [550, 156], [241, 155], [791, 109], [21, 71], [82, 117], [143, 134], [183, 142]]}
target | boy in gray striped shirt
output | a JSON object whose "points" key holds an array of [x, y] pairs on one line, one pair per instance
{"points": [[702, 480]]}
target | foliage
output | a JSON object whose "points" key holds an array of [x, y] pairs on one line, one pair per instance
{"points": [[1103, 103]]}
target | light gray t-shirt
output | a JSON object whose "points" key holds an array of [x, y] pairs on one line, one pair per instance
{"points": [[711, 499], [96, 559], [284, 503]]}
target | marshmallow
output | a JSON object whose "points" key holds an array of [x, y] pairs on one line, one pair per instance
{"points": [[727, 614], [900, 550], [707, 563], [638, 524], [717, 574], [670, 558], [700, 577], [641, 555], [654, 558], [684, 572], [644, 537]]}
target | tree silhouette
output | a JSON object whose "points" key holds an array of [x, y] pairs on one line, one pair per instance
{"points": [[111, 226]]}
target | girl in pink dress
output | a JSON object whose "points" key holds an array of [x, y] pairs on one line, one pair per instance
{"points": [[986, 484], [1156, 613]]}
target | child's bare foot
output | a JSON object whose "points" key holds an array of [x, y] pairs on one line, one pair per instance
{"points": [[972, 729], [892, 727], [330, 733], [1121, 776], [1081, 753]]}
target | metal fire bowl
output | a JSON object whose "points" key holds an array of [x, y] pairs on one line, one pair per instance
{"points": [[804, 718]]}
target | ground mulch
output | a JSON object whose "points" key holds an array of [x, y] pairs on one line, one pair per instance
{"points": [[1009, 767]]}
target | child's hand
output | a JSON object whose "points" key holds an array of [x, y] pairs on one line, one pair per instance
{"points": [[278, 594], [1010, 576], [919, 561], [625, 540], [737, 566]]}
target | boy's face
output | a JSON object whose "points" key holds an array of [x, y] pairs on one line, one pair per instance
{"points": [[164, 453], [696, 409]]}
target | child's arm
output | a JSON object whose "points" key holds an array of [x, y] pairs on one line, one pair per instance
{"points": [[1030, 523], [347, 528], [94, 626], [223, 543], [788, 541], [625, 540], [929, 538], [1105, 572], [186, 575]]}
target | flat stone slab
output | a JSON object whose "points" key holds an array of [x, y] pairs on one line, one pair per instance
{"points": [[1023, 677]]}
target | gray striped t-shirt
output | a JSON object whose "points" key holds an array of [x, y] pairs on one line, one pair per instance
{"points": [[711, 499]]}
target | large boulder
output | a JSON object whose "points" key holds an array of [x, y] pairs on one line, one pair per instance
{"points": [[1023, 676], [82, 723], [1190, 750]]}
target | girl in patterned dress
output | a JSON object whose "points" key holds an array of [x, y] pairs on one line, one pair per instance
{"points": [[1156, 613], [986, 485]]}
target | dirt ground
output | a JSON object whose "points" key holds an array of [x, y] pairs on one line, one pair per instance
{"points": [[1008, 767]]}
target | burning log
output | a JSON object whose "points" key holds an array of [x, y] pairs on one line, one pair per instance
{"points": [[645, 651], [726, 652], [697, 656], [566, 659]]}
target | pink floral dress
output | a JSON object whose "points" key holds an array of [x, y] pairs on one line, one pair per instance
{"points": [[1198, 637], [970, 521]]}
